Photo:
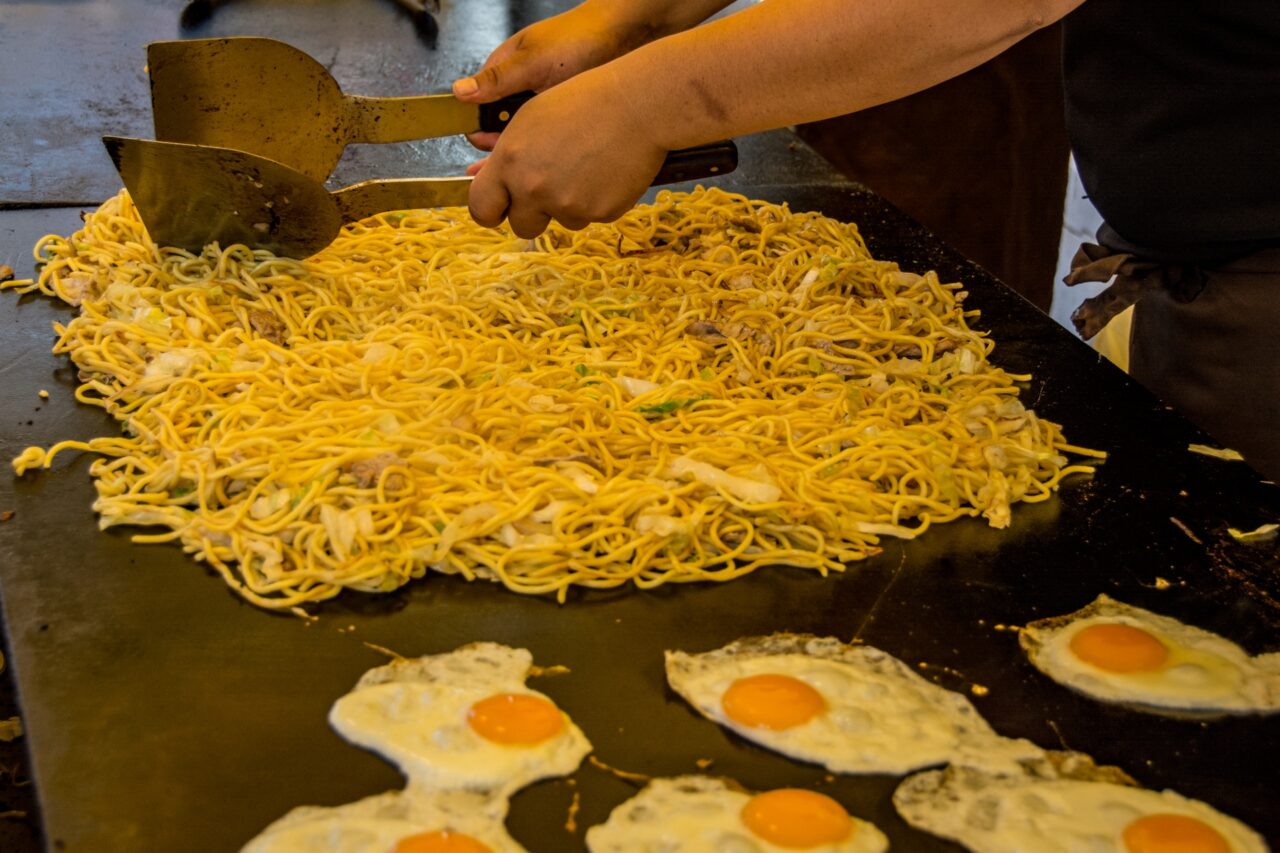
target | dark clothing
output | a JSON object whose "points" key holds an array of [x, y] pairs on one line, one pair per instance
{"points": [[1216, 358], [1173, 109], [1203, 338]]}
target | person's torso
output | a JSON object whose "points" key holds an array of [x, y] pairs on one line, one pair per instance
{"points": [[1173, 109]]}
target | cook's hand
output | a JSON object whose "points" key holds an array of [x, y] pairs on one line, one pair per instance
{"points": [[574, 154], [549, 52]]}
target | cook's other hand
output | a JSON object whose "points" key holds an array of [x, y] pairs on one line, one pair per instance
{"points": [[575, 154], [551, 51]]}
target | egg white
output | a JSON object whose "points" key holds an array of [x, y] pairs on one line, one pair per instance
{"points": [[881, 717], [375, 824], [414, 713], [701, 814], [1204, 673], [1041, 810]]}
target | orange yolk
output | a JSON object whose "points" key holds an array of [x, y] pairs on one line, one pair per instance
{"points": [[440, 841], [1119, 648], [515, 718], [771, 701], [1173, 833], [797, 819]]}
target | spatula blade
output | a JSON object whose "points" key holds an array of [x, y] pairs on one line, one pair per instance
{"points": [[191, 195], [252, 94]]}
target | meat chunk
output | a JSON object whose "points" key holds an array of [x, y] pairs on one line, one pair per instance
{"points": [[717, 334], [268, 326], [367, 472]]}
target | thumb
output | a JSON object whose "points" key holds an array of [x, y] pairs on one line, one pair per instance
{"points": [[492, 82]]}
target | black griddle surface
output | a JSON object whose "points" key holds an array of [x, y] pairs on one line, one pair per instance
{"points": [[165, 714]]}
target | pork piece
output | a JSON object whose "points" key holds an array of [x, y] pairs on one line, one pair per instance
{"points": [[368, 472], [718, 334], [914, 351], [837, 367], [679, 246], [268, 326], [742, 223], [705, 331]]}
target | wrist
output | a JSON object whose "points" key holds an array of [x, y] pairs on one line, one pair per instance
{"points": [[608, 96]]}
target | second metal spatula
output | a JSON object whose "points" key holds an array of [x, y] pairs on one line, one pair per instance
{"points": [[271, 99], [193, 195]]}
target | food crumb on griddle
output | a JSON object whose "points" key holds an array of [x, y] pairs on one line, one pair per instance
{"points": [[1187, 530], [571, 821], [304, 615], [624, 775], [11, 729], [536, 671], [383, 651], [1226, 454]]}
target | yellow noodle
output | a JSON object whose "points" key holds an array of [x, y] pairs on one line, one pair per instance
{"points": [[707, 386]]}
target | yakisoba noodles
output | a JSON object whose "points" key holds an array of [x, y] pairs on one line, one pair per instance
{"points": [[707, 386]]}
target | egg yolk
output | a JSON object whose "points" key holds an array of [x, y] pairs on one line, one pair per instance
{"points": [[515, 718], [1119, 648], [797, 819], [771, 701], [440, 841], [1173, 833]]}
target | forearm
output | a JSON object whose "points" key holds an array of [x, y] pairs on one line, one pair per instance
{"points": [[658, 17], [788, 61]]}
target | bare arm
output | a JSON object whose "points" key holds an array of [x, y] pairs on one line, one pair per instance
{"points": [[788, 61], [586, 149], [590, 34]]}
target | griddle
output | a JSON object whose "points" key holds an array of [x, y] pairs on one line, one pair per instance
{"points": [[165, 714]]}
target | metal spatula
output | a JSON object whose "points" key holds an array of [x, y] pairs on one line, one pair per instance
{"points": [[193, 195], [271, 99]]}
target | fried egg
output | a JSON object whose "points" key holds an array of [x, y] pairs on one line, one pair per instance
{"points": [[464, 719], [699, 814], [395, 822], [852, 709], [1118, 653], [1067, 805]]}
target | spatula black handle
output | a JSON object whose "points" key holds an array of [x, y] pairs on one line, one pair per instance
{"points": [[704, 161], [495, 116]]}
